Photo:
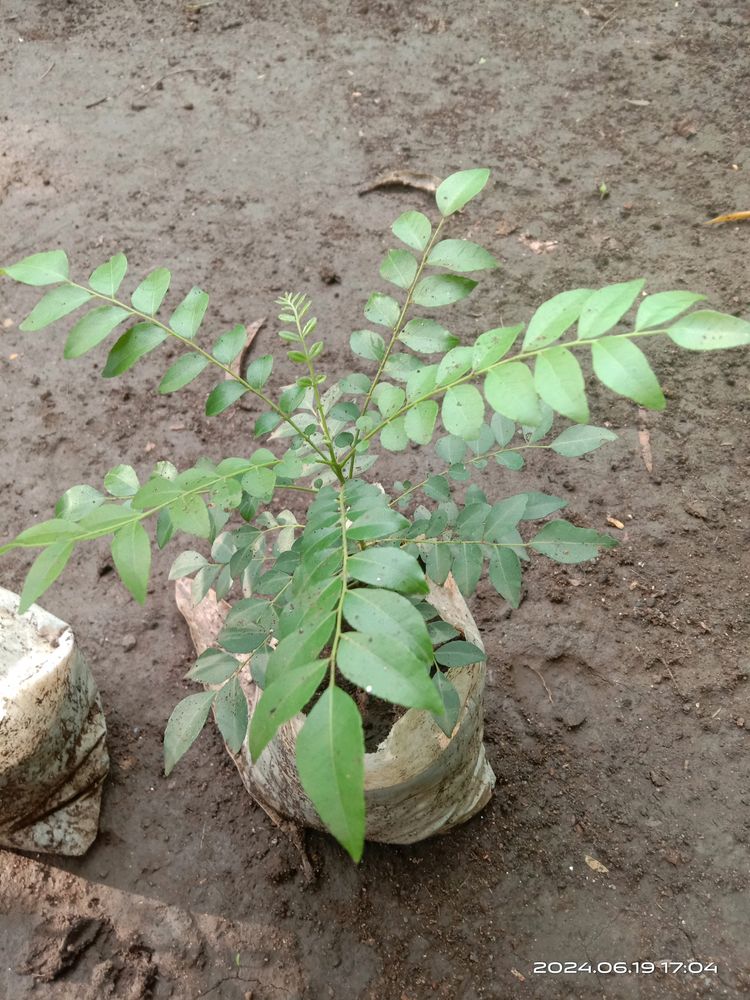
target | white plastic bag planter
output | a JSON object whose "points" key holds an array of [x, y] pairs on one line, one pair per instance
{"points": [[53, 756], [418, 783]]}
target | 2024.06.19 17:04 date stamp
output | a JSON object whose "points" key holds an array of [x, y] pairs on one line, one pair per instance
{"points": [[691, 968]]}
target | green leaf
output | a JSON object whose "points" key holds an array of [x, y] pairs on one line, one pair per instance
{"points": [[77, 502], [554, 317], [413, 229], [186, 563], [131, 346], [463, 411], [419, 422], [45, 569], [442, 290], [367, 344], [382, 666], [331, 764], [259, 371], [455, 364], [623, 367], [107, 278], [92, 329], [489, 347], [459, 654], [503, 516], [459, 188], [222, 396], [399, 267], [213, 666], [708, 330], [266, 423], [438, 563], [559, 381], [461, 255], [383, 310], [149, 295], [378, 522], [229, 345], [202, 582], [122, 481], [131, 554], [182, 372], [259, 483], [393, 437], [509, 389], [291, 397], [230, 708], [448, 717], [437, 487], [302, 646], [604, 308], [282, 700], [505, 575], [427, 337], [164, 528], [58, 303], [388, 398], [380, 613], [184, 727], [188, 316], [388, 567], [40, 268], [540, 505], [563, 542], [190, 514], [656, 310], [576, 441], [468, 563]]}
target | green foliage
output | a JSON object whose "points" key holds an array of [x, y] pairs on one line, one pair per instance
{"points": [[341, 597]]}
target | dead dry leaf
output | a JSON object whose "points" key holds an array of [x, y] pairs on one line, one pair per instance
{"points": [[644, 440], [537, 246], [729, 217], [686, 127], [519, 975], [239, 364], [403, 178], [596, 866], [505, 227], [615, 523]]}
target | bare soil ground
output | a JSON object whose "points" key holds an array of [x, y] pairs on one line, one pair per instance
{"points": [[228, 142]]}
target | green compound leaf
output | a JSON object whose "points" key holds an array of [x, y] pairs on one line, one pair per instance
{"points": [[131, 347], [442, 290], [188, 316], [463, 411], [282, 700], [149, 295], [559, 381], [565, 543], [413, 229], [222, 396], [656, 310], [382, 310], [459, 188], [131, 554], [55, 304], [554, 317], [461, 255], [623, 367], [330, 757], [378, 612], [381, 666], [708, 330], [575, 441], [182, 372], [399, 267], [459, 653], [388, 567], [45, 569], [184, 726], [419, 422], [107, 278], [40, 268], [606, 307], [510, 390], [230, 709], [448, 717], [92, 329], [505, 575]]}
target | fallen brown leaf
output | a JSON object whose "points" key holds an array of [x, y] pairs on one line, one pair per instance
{"points": [[615, 523], [403, 178], [595, 865], [239, 364], [537, 246], [729, 217]]}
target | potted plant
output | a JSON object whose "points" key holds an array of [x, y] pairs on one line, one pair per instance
{"points": [[358, 604]]}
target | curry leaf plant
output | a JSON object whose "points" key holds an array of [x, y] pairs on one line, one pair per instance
{"points": [[335, 601]]}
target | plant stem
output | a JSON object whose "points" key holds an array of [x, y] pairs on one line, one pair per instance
{"points": [[340, 610]]}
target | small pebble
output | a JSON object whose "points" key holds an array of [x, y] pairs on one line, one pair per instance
{"points": [[128, 642]]}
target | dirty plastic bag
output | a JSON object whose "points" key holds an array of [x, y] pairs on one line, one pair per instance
{"points": [[53, 755], [418, 783]]}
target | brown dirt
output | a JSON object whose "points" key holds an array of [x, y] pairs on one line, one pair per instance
{"points": [[240, 171]]}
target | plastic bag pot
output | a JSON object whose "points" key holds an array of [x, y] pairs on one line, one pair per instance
{"points": [[418, 783], [53, 755]]}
